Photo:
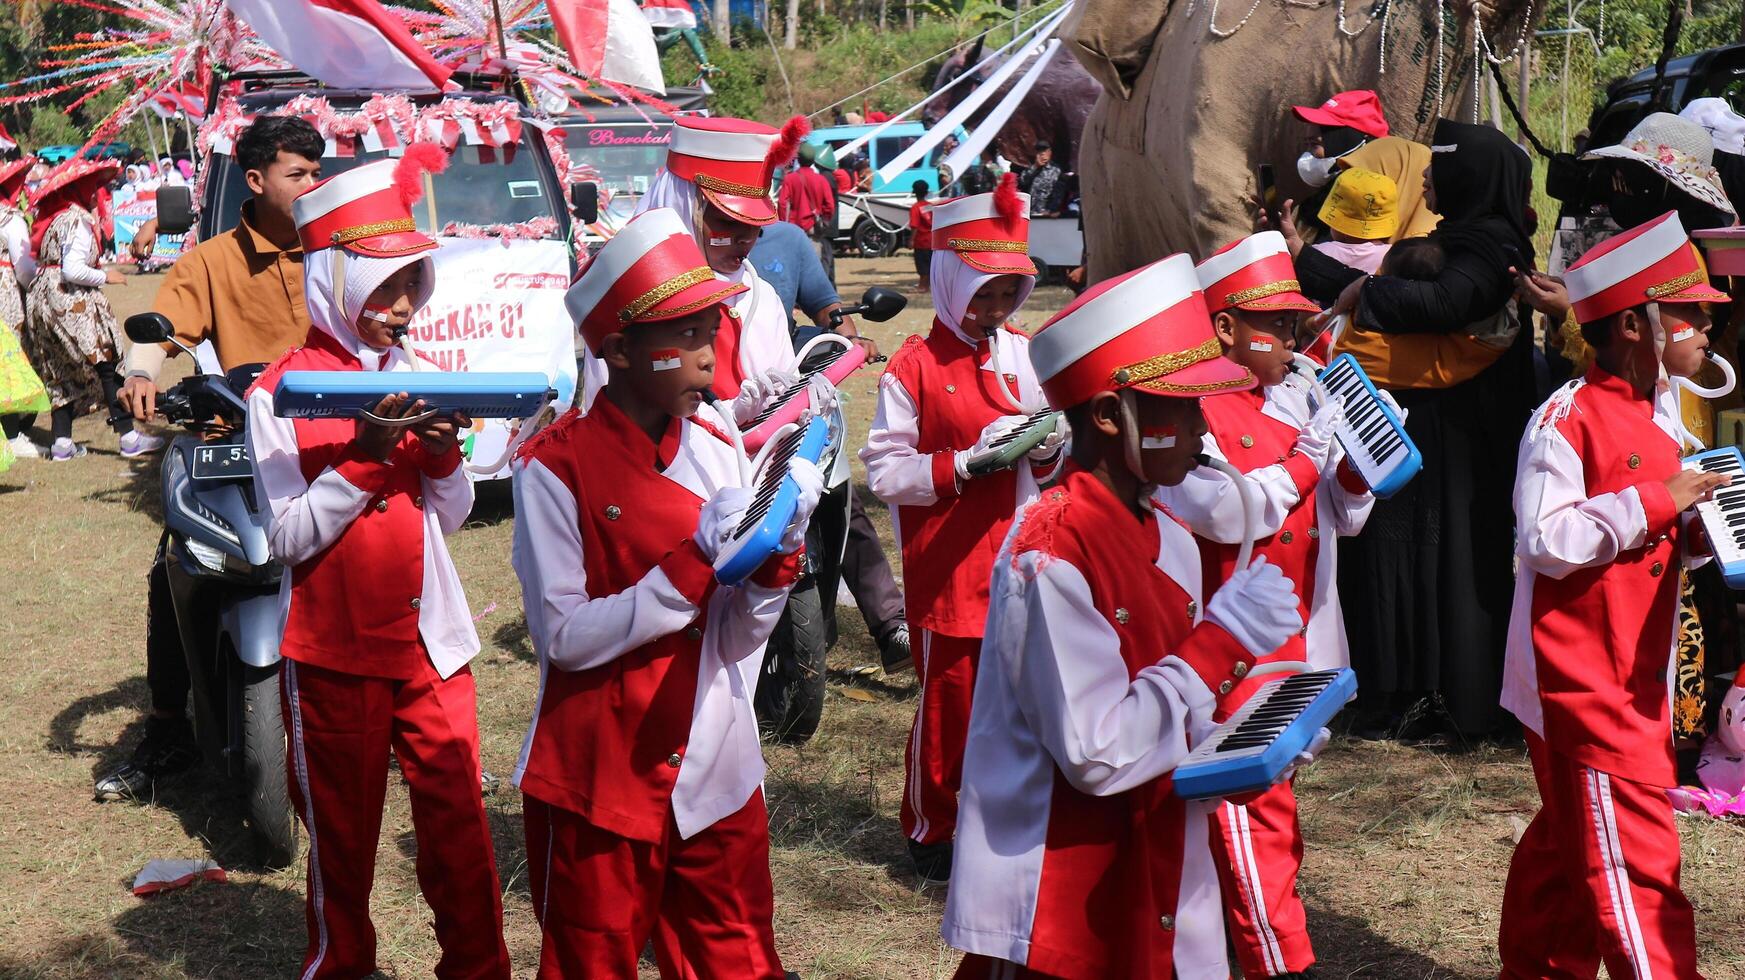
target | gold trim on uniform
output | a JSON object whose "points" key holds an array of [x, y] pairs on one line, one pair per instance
{"points": [[1262, 292], [356, 232], [708, 300], [1675, 286], [986, 245], [665, 291], [720, 186]]}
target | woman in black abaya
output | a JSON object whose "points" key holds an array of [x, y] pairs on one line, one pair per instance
{"points": [[1428, 583]]}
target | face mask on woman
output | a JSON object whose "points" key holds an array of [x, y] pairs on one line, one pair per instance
{"points": [[1316, 171]]}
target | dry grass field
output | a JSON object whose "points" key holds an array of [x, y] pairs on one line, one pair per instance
{"points": [[1406, 857]]}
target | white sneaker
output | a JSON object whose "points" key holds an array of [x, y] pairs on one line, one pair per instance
{"points": [[23, 448], [65, 449], [137, 443]]}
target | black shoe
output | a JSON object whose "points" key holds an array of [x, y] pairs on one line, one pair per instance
{"points": [[168, 748], [932, 861], [895, 655]]}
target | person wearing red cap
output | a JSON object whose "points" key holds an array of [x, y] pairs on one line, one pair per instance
{"points": [[377, 634], [945, 397], [717, 180], [1602, 508], [1310, 497], [70, 333], [1343, 123], [1075, 857], [641, 771]]}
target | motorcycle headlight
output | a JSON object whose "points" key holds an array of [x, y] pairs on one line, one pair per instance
{"points": [[205, 554]]}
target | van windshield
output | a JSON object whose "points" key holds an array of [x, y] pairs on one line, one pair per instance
{"points": [[625, 155], [482, 186]]}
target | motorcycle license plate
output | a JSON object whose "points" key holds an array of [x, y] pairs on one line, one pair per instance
{"points": [[220, 463]]}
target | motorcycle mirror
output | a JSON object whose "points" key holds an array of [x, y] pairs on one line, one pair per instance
{"points": [[149, 328], [879, 304], [175, 210], [585, 201]]}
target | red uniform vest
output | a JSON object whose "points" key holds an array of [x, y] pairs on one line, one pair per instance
{"points": [[949, 546], [608, 741], [1111, 869], [1602, 637], [354, 607], [1253, 440], [728, 373]]}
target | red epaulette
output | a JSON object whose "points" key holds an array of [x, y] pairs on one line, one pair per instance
{"points": [[905, 351], [559, 430], [1040, 522], [269, 377]]}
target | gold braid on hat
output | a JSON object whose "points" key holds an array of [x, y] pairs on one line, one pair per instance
{"points": [[1672, 287], [667, 290], [1262, 292], [1153, 368]]}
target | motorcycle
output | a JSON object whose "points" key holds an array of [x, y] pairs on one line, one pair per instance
{"points": [[224, 585], [790, 693]]}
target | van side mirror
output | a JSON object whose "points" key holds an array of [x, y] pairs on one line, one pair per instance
{"points": [[585, 202], [149, 328], [175, 210]]}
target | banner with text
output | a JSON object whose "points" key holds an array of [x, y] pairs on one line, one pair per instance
{"points": [[498, 306]]}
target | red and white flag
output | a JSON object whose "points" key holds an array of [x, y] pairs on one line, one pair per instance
{"points": [[181, 99], [7, 143], [345, 43], [608, 39], [670, 13]]}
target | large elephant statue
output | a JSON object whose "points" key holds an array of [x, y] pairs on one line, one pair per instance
{"points": [[1055, 108], [1196, 96]]}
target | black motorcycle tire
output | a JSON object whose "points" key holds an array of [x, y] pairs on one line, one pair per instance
{"points": [[270, 814], [790, 694]]}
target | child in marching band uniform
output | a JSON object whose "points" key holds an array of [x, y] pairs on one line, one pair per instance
{"points": [[377, 634], [717, 180], [1308, 497], [1075, 858], [1599, 499], [943, 398], [641, 770]]}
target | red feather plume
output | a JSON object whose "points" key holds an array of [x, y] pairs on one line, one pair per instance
{"points": [[1006, 203], [409, 172], [782, 151]]}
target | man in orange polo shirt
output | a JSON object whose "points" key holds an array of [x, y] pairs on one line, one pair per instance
{"points": [[243, 291]]}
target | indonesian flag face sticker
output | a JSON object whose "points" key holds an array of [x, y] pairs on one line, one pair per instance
{"points": [[379, 314], [1683, 333], [1157, 437], [1262, 346], [665, 359]]}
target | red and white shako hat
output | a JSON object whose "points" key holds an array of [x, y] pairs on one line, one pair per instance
{"points": [[1254, 273], [1651, 263], [989, 232], [1148, 330], [650, 270], [368, 210], [733, 160]]}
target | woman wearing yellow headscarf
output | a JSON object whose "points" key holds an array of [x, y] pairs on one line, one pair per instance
{"points": [[1405, 162]]}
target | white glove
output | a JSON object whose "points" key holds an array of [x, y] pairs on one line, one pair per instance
{"points": [[719, 518], [1050, 444], [991, 434], [1393, 406], [810, 480], [1310, 753], [1258, 606], [1317, 441], [757, 391], [822, 397]]}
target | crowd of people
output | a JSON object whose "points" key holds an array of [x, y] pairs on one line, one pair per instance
{"points": [[1080, 616]]}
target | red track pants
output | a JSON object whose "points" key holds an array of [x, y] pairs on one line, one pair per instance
{"points": [[341, 728], [707, 902], [1595, 878], [1258, 849], [933, 767]]}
